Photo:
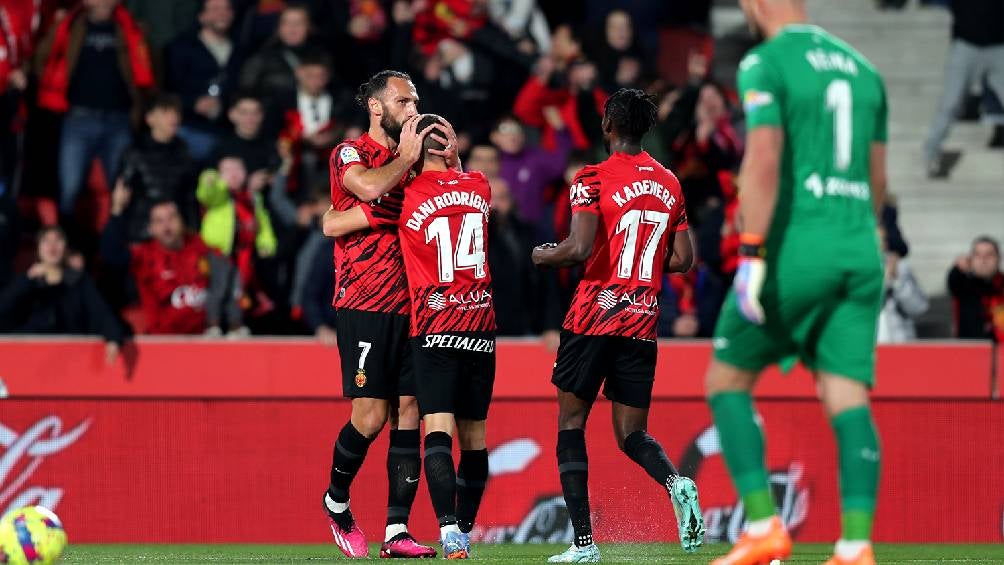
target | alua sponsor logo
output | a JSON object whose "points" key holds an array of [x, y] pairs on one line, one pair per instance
{"points": [[608, 299], [725, 523], [24, 453], [465, 300]]}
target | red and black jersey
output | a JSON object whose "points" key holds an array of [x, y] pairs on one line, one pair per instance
{"points": [[172, 285], [369, 270], [639, 203], [443, 229]]}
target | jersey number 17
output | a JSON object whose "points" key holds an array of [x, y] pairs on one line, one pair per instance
{"points": [[629, 224]]}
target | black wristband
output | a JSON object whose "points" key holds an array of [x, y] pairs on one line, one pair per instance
{"points": [[750, 250]]}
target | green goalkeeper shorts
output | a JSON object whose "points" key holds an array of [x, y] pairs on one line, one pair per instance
{"points": [[827, 316]]}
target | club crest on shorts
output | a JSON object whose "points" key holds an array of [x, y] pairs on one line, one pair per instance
{"points": [[360, 378]]}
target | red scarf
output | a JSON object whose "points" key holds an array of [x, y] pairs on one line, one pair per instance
{"points": [[55, 79]]}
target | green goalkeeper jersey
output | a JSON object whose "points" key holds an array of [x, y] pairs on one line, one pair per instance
{"points": [[831, 105]]}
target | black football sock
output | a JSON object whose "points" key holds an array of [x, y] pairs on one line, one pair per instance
{"points": [[441, 476], [573, 467], [472, 476], [346, 459], [644, 450], [404, 466]]}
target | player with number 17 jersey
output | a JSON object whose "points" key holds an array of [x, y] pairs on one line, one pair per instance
{"points": [[639, 203]]}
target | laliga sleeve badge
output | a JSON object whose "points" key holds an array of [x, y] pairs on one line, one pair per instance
{"points": [[360, 378], [349, 154]]}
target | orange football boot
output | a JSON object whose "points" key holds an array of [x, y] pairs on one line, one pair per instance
{"points": [[865, 557], [749, 550]]}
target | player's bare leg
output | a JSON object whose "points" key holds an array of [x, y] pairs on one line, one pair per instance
{"points": [[630, 425], [472, 475], [441, 476], [369, 415], [846, 403], [404, 467], [573, 468], [729, 394]]}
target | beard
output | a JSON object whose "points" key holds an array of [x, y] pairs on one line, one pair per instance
{"points": [[391, 126]]}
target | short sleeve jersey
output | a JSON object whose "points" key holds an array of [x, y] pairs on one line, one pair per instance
{"points": [[443, 229], [831, 105], [369, 269], [639, 204]]}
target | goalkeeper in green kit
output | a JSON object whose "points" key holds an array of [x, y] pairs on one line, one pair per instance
{"points": [[809, 281]]}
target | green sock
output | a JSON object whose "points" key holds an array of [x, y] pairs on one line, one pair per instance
{"points": [[743, 448], [858, 447]]}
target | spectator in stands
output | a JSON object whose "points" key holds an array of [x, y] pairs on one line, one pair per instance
{"points": [[318, 292], [248, 141], [977, 47], [526, 299], [524, 23], [202, 67], [903, 299], [163, 21], [678, 313], [976, 284], [182, 284], [618, 56], [310, 300], [9, 235], [158, 167], [566, 81], [696, 128], [310, 123], [54, 298], [528, 170], [271, 72], [237, 224], [93, 66], [358, 27]]}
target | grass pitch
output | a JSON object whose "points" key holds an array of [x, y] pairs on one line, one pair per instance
{"points": [[612, 553]]}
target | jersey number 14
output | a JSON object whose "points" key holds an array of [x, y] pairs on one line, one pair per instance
{"points": [[470, 250]]}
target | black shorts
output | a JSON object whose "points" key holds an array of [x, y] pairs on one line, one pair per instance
{"points": [[454, 373], [624, 366], [376, 359]]}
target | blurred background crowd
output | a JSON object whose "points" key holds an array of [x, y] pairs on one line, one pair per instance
{"points": [[164, 164]]}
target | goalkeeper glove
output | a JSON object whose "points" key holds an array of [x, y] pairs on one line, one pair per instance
{"points": [[750, 276]]}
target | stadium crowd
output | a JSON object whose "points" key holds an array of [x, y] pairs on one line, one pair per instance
{"points": [[211, 122]]}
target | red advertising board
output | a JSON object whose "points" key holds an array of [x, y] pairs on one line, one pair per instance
{"points": [[301, 368], [188, 470]]}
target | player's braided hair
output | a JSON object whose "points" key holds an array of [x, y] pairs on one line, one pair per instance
{"points": [[375, 85], [631, 112]]}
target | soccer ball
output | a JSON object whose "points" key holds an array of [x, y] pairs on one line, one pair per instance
{"points": [[31, 536]]}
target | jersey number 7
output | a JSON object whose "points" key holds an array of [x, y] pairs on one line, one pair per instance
{"points": [[470, 251]]}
